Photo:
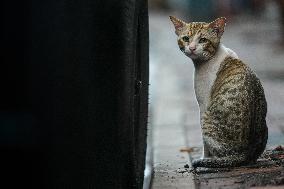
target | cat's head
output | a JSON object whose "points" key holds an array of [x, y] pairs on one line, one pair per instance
{"points": [[199, 40]]}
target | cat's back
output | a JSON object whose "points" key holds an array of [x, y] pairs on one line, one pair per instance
{"points": [[235, 78], [237, 110]]}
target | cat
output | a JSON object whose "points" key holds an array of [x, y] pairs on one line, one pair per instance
{"points": [[230, 96]]}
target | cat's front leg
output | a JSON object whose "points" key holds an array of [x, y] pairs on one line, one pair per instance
{"points": [[199, 162], [205, 149], [205, 153]]}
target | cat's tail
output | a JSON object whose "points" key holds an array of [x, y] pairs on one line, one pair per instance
{"points": [[228, 161]]}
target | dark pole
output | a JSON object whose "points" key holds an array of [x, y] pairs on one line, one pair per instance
{"points": [[77, 96]]}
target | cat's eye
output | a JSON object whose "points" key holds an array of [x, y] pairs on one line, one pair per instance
{"points": [[202, 40], [185, 38]]}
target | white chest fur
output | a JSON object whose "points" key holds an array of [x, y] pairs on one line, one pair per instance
{"points": [[205, 75]]}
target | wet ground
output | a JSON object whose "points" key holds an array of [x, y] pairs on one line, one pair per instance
{"points": [[174, 111]]}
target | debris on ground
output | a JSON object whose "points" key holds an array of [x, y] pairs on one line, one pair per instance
{"points": [[275, 155], [187, 149], [279, 148], [267, 172], [186, 166]]}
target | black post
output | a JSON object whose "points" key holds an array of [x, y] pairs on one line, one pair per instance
{"points": [[75, 106]]}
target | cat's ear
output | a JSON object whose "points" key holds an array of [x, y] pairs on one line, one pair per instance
{"points": [[179, 24], [218, 26]]}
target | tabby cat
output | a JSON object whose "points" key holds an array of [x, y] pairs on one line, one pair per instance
{"points": [[230, 96]]}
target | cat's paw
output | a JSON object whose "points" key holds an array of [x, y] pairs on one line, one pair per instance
{"points": [[202, 162], [196, 163]]}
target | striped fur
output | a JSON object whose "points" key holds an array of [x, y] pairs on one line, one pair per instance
{"points": [[231, 98], [234, 123]]}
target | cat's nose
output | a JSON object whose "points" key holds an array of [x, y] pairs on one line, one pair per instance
{"points": [[192, 48]]}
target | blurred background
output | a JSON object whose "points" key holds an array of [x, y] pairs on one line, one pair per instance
{"points": [[255, 31]]}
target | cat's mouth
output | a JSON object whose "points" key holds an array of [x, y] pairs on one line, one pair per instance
{"points": [[192, 55], [190, 52]]}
